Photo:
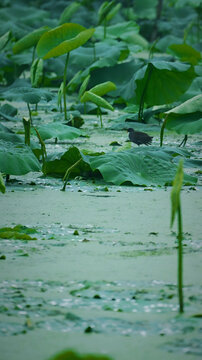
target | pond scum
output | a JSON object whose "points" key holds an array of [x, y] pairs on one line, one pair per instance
{"points": [[73, 79]]}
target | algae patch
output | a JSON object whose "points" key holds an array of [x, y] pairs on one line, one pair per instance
{"points": [[18, 232]]}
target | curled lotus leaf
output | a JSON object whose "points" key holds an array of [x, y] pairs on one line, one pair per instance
{"points": [[62, 40]]}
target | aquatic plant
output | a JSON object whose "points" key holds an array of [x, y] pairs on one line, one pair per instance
{"points": [[62, 40], [95, 94], [176, 209]]}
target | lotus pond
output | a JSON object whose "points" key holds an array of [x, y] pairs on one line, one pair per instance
{"points": [[89, 262]]}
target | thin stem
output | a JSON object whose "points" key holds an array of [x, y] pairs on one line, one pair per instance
{"points": [[105, 28], [64, 85], [162, 130], [27, 127], [33, 54], [141, 107], [30, 113], [100, 114], [66, 177], [180, 262]]}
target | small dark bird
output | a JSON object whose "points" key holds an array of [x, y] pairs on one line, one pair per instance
{"points": [[139, 137]]}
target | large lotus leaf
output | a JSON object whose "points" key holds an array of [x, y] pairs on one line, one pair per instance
{"points": [[103, 88], [62, 40], [182, 3], [23, 15], [110, 51], [58, 163], [17, 159], [29, 40], [186, 53], [58, 130], [28, 94], [163, 82], [145, 9], [120, 30], [98, 100], [166, 41], [138, 166], [187, 117]]}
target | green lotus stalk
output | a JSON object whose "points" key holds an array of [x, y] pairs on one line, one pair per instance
{"points": [[141, 107], [43, 150], [66, 176], [176, 208], [64, 85], [27, 127]]}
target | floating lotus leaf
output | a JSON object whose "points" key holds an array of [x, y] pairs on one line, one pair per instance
{"points": [[71, 355], [28, 94], [17, 159], [187, 117], [62, 40], [58, 130], [142, 166]]}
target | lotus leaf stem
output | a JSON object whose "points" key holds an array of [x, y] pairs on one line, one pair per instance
{"points": [[141, 107], [180, 262], [66, 176], [64, 85]]}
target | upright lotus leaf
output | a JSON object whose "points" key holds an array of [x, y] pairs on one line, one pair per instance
{"points": [[186, 118], [100, 102], [161, 82], [186, 53], [167, 81], [4, 39], [104, 10], [68, 12], [2, 185], [29, 40], [142, 166], [83, 86], [103, 88], [62, 40], [113, 11], [17, 159], [36, 72]]}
